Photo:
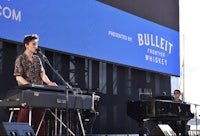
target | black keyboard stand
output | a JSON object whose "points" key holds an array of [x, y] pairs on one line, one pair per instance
{"points": [[56, 118], [68, 87]]}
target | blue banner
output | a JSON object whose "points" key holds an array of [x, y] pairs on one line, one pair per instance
{"points": [[93, 29]]}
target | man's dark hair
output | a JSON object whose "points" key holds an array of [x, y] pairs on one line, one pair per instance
{"points": [[29, 38], [177, 91]]}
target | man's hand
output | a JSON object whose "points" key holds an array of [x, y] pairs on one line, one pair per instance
{"points": [[52, 84]]}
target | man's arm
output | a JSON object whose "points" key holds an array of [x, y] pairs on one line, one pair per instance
{"points": [[46, 79], [21, 80]]}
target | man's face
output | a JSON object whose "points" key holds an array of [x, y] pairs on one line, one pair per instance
{"points": [[32, 46], [177, 94]]}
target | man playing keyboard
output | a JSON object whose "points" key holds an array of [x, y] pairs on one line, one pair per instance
{"points": [[29, 69]]}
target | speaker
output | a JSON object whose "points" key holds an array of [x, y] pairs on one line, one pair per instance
{"points": [[162, 130], [16, 129]]}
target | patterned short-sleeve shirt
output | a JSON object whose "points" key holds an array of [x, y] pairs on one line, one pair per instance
{"points": [[30, 71]]}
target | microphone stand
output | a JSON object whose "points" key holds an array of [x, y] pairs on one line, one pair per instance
{"points": [[66, 84]]}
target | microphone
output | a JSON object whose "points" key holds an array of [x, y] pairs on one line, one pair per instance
{"points": [[38, 50]]}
